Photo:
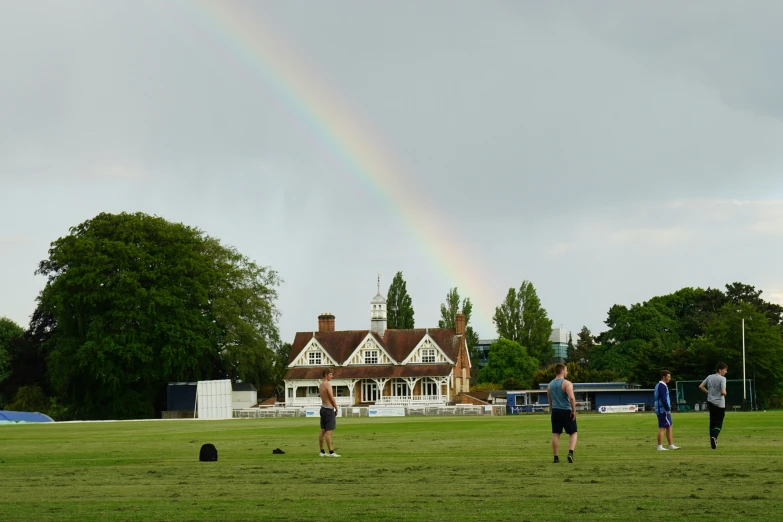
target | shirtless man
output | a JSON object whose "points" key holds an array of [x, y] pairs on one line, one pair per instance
{"points": [[328, 413]]}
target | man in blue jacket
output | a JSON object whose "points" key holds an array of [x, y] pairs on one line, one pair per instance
{"points": [[663, 408]]}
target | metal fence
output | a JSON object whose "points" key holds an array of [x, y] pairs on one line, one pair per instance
{"points": [[691, 398], [364, 411]]}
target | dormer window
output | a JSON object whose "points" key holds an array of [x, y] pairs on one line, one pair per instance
{"points": [[314, 358], [371, 357], [428, 356]]}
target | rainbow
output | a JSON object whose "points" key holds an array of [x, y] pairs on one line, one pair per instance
{"points": [[263, 53]]}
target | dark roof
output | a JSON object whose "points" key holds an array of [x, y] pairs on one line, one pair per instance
{"points": [[242, 386], [397, 343], [339, 345], [480, 395], [372, 372], [400, 343]]}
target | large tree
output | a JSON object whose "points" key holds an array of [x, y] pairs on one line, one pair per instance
{"points": [[448, 314], [584, 344], [570, 347], [688, 331], [137, 301], [763, 348], [27, 357], [741, 293], [576, 373], [508, 362], [9, 333], [399, 305], [521, 318]]}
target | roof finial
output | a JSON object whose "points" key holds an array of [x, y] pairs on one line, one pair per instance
{"points": [[379, 283]]}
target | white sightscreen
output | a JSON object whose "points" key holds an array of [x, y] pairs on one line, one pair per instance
{"points": [[214, 399]]}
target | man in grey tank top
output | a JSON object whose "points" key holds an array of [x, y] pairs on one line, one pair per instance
{"points": [[562, 405], [715, 388]]}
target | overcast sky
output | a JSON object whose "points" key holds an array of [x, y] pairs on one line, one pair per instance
{"points": [[606, 151]]}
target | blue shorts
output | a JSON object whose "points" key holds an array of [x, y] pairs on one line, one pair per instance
{"points": [[664, 420]]}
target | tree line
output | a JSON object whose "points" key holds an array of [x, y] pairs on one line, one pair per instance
{"points": [[686, 332], [133, 301]]}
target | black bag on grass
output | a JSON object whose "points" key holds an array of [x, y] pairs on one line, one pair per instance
{"points": [[208, 453]]}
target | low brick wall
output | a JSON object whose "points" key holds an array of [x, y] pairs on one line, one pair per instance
{"points": [[464, 398], [178, 414]]}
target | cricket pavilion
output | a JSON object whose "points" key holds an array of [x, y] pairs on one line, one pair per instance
{"points": [[379, 366]]}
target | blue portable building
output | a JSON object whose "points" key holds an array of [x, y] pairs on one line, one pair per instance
{"points": [[526, 401], [593, 395], [18, 417]]}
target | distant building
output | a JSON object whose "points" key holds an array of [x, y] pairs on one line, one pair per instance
{"points": [[482, 350], [559, 340]]}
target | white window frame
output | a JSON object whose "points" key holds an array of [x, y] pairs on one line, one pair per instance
{"points": [[430, 386], [428, 355], [370, 391], [314, 358], [399, 385], [369, 354]]}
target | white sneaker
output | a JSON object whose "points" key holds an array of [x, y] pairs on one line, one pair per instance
{"points": [[661, 448], [333, 455], [322, 454], [672, 446]]}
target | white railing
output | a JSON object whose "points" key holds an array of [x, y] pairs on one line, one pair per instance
{"points": [[258, 413], [583, 406], [315, 401], [363, 411], [411, 400]]}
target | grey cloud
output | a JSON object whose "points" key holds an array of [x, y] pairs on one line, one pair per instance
{"points": [[541, 141]]}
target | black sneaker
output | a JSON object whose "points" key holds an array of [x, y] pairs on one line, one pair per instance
{"points": [[556, 461], [713, 442], [571, 458]]}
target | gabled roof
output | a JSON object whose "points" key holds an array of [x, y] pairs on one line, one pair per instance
{"points": [[339, 345], [397, 343], [375, 337], [371, 372], [400, 343]]}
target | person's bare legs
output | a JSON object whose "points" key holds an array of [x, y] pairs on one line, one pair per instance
{"points": [[660, 436], [669, 436], [572, 442], [329, 440], [555, 443], [321, 439]]}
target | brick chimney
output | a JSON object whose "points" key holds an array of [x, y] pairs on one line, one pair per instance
{"points": [[459, 323], [326, 323]]}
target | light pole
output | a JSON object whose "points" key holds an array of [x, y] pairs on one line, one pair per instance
{"points": [[744, 397], [744, 385]]}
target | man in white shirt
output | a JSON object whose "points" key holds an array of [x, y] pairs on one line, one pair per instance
{"points": [[715, 388]]}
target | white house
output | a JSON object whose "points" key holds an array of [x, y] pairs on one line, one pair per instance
{"points": [[379, 366]]}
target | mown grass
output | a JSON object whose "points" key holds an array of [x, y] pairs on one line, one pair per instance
{"points": [[421, 468]]}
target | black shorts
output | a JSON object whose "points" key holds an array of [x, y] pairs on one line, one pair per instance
{"points": [[561, 420], [328, 419]]}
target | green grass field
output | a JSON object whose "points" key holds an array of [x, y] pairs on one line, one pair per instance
{"points": [[421, 468]]}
